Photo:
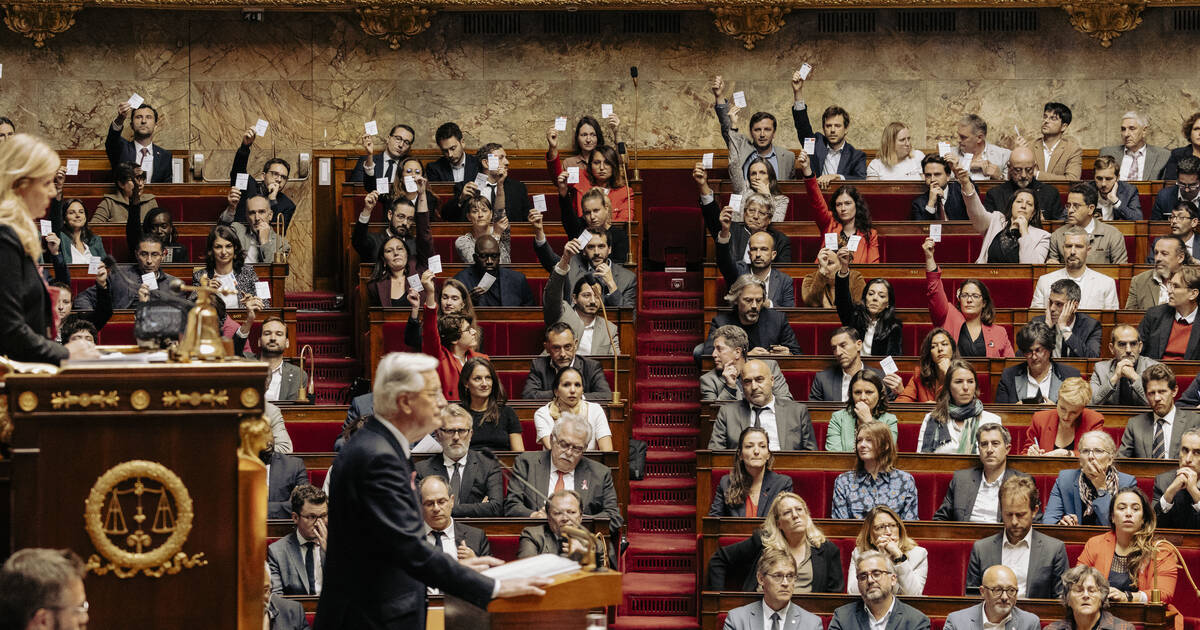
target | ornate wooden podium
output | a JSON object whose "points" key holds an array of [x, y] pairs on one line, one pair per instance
{"points": [[565, 605], [135, 467]]}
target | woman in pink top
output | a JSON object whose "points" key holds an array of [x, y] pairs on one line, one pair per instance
{"points": [[853, 216], [971, 321]]}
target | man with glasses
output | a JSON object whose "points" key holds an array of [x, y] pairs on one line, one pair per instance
{"points": [[562, 353], [1036, 560], [563, 467], [275, 176], [1186, 189], [1106, 245], [386, 163], [43, 588], [998, 609], [297, 561], [562, 510], [1168, 255], [1059, 157], [475, 481], [1022, 175], [776, 576], [879, 608]]}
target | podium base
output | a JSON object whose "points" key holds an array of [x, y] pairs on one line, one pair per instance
{"points": [[460, 615]]}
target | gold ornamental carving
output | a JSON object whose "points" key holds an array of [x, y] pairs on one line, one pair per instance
{"points": [[394, 25], [212, 398], [40, 21], [138, 515], [28, 401], [249, 397], [101, 399], [749, 24], [1105, 21], [139, 399]]}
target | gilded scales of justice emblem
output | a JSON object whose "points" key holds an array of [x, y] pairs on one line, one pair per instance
{"points": [[138, 515]]}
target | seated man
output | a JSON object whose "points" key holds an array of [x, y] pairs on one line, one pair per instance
{"points": [[95, 318], [761, 251], [509, 197], [942, 200], [835, 158], [582, 312], [475, 481], [1169, 254], [1022, 175], [776, 573], [284, 474], [1106, 245], [1185, 189], [509, 288], [561, 354], [292, 571], [767, 329], [1036, 381], [284, 380], [441, 530], [1176, 492], [455, 165], [999, 605], [1117, 200], [1075, 334], [591, 480], [124, 283], [258, 238], [974, 493], [1059, 157], [724, 381], [405, 222], [787, 423], [1118, 381], [1168, 331], [280, 613], [386, 163], [1139, 161], [1037, 559], [833, 383], [563, 508], [989, 161], [818, 288], [1097, 291], [154, 160], [618, 285], [879, 607], [1158, 433], [275, 176]]}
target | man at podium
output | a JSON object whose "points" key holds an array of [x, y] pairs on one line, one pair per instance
{"points": [[378, 566]]}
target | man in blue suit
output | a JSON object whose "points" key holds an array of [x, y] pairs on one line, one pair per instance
{"points": [[1119, 201], [834, 158], [154, 160]]}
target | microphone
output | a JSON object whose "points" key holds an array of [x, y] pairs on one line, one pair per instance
{"points": [[637, 173], [633, 73], [512, 474]]}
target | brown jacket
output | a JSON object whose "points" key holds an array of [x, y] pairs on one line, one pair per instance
{"points": [[1066, 162], [817, 290], [114, 209]]}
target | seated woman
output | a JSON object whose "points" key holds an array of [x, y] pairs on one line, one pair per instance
{"points": [[159, 223], [937, 351], [950, 427], [388, 284], [1085, 604], [454, 298], [451, 337], [483, 221], [755, 219], [1129, 555], [874, 317], [897, 160], [604, 172], [495, 424], [79, 243], [971, 319], [568, 398], [875, 479], [851, 215], [225, 267], [788, 527], [1082, 496], [883, 531], [1013, 236], [1054, 432], [128, 197], [411, 167], [1035, 341], [751, 487], [588, 135], [866, 403]]}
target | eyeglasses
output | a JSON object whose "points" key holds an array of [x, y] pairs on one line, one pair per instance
{"points": [[278, 174], [971, 296], [400, 139], [455, 432], [1093, 452], [997, 591], [312, 518], [872, 575], [568, 447], [782, 577], [78, 610], [882, 527], [1191, 186]]}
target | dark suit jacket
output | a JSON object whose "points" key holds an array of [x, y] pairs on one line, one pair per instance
{"points": [[480, 479], [1155, 330], [24, 306], [1138, 438], [1165, 202], [1047, 563], [538, 539], [1014, 383], [542, 372], [791, 418], [740, 234], [420, 248], [289, 615], [359, 174], [887, 340], [286, 559], [854, 616], [955, 209], [1085, 337], [510, 288], [734, 564], [853, 164], [1046, 195], [771, 329], [593, 482], [960, 496], [121, 150], [827, 384], [1131, 203], [473, 537], [440, 169], [780, 290], [282, 204], [516, 201], [625, 295], [1183, 514], [773, 484], [1171, 171], [287, 472], [376, 522]]}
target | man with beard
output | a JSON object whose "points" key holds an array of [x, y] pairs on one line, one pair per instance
{"points": [[285, 380], [879, 607], [760, 143], [1022, 175], [1037, 560], [618, 285], [833, 383], [405, 221], [561, 354], [943, 200], [724, 381], [1149, 288], [455, 165], [1075, 334], [1118, 381], [275, 177], [43, 588], [582, 313], [767, 329], [124, 282], [259, 240], [974, 493], [562, 509], [787, 423], [507, 287], [1184, 222], [1097, 291], [989, 161], [154, 160], [761, 251], [475, 481], [1059, 157], [1186, 189], [1167, 329], [284, 474], [508, 196], [1106, 245], [1118, 200], [998, 609]]}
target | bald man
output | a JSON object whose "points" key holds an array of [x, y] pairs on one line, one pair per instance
{"points": [[998, 608], [1022, 175], [788, 425]]}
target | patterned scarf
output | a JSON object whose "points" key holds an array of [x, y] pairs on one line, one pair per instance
{"points": [[968, 414], [1088, 492]]}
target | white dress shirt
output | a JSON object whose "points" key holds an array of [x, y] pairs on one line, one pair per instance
{"points": [[1035, 387], [144, 156], [1099, 291], [450, 464], [1048, 151], [584, 346], [318, 568], [459, 171], [846, 377], [1016, 557], [833, 159], [987, 501], [767, 612], [568, 480], [274, 383], [767, 420], [447, 538], [987, 625], [869, 338], [881, 623], [1127, 161]]}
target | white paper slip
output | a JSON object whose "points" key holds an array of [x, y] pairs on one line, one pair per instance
{"points": [[852, 242], [735, 202], [810, 146], [935, 232], [1016, 131], [831, 241], [572, 174], [242, 181], [150, 281], [486, 281], [410, 184], [262, 290], [539, 203], [324, 171], [706, 160], [944, 149], [1, 69], [383, 185], [605, 110], [583, 239], [414, 282], [493, 162], [434, 264], [560, 123], [135, 101], [176, 170], [545, 565], [888, 364], [371, 127], [260, 127], [739, 99], [804, 70], [72, 167], [93, 265], [481, 180], [46, 227], [966, 159]]}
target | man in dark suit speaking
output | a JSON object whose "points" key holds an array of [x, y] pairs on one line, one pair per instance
{"points": [[376, 520]]}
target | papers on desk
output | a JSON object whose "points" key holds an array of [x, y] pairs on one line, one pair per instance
{"points": [[545, 565]]}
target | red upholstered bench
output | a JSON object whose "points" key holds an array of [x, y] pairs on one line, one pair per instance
{"points": [[316, 476], [314, 437], [884, 206], [800, 381], [910, 292]]}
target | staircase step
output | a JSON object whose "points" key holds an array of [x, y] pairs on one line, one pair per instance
{"points": [[668, 438], [640, 622], [658, 594], [663, 490], [315, 300], [682, 544], [657, 414], [316, 323], [333, 392], [328, 345], [662, 519], [335, 368], [651, 368], [661, 511], [661, 553]]}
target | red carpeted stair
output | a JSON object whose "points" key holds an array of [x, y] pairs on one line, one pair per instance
{"points": [[323, 323]]}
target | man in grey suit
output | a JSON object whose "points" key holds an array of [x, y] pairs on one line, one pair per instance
{"points": [[1156, 435], [475, 481], [280, 613], [1037, 560], [1169, 254], [776, 575], [879, 607], [974, 493], [761, 142], [786, 422], [572, 471], [297, 561], [562, 508], [724, 381], [1177, 492], [1106, 244], [998, 606], [258, 238], [1118, 381], [284, 380], [1137, 160], [441, 530], [582, 312], [618, 285]]}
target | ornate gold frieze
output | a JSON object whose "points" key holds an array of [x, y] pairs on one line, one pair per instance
{"points": [[101, 399], [212, 398], [749, 24], [40, 21], [1105, 21], [394, 24]]}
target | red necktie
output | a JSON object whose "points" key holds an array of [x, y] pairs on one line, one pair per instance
{"points": [[560, 484]]}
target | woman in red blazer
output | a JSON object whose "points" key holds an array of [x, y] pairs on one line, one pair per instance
{"points": [[1055, 432], [449, 337], [853, 215], [971, 326]]}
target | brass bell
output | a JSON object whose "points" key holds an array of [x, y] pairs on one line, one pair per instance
{"points": [[202, 340]]}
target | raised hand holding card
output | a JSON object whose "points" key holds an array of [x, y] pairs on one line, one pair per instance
{"points": [[371, 127], [72, 167], [560, 123], [831, 241], [434, 263], [241, 181], [539, 203], [706, 160], [572, 174], [935, 232]]}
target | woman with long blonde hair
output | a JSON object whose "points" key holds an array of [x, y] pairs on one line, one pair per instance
{"points": [[883, 531], [897, 160]]}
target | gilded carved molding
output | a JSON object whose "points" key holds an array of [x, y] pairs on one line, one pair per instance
{"points": [[1105, 21], [394, 25], [750, 23], [40, 21]]}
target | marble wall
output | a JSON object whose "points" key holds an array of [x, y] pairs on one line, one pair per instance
{"points": [[318, 77]]}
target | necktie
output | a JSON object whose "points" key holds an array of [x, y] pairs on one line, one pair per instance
{"points": [[941, 209], [141, 162], [390, 164], [437, 538], [758, 417], [1133, 167], [561, 484], [774, 621], [310, 568], [1183, 321], [1159, 450], [456, 479]]}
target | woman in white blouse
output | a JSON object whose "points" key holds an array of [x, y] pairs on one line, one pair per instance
{"points": [[483, 223], [883, 531], [568, 398], [951, 426], [897, 160]]}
